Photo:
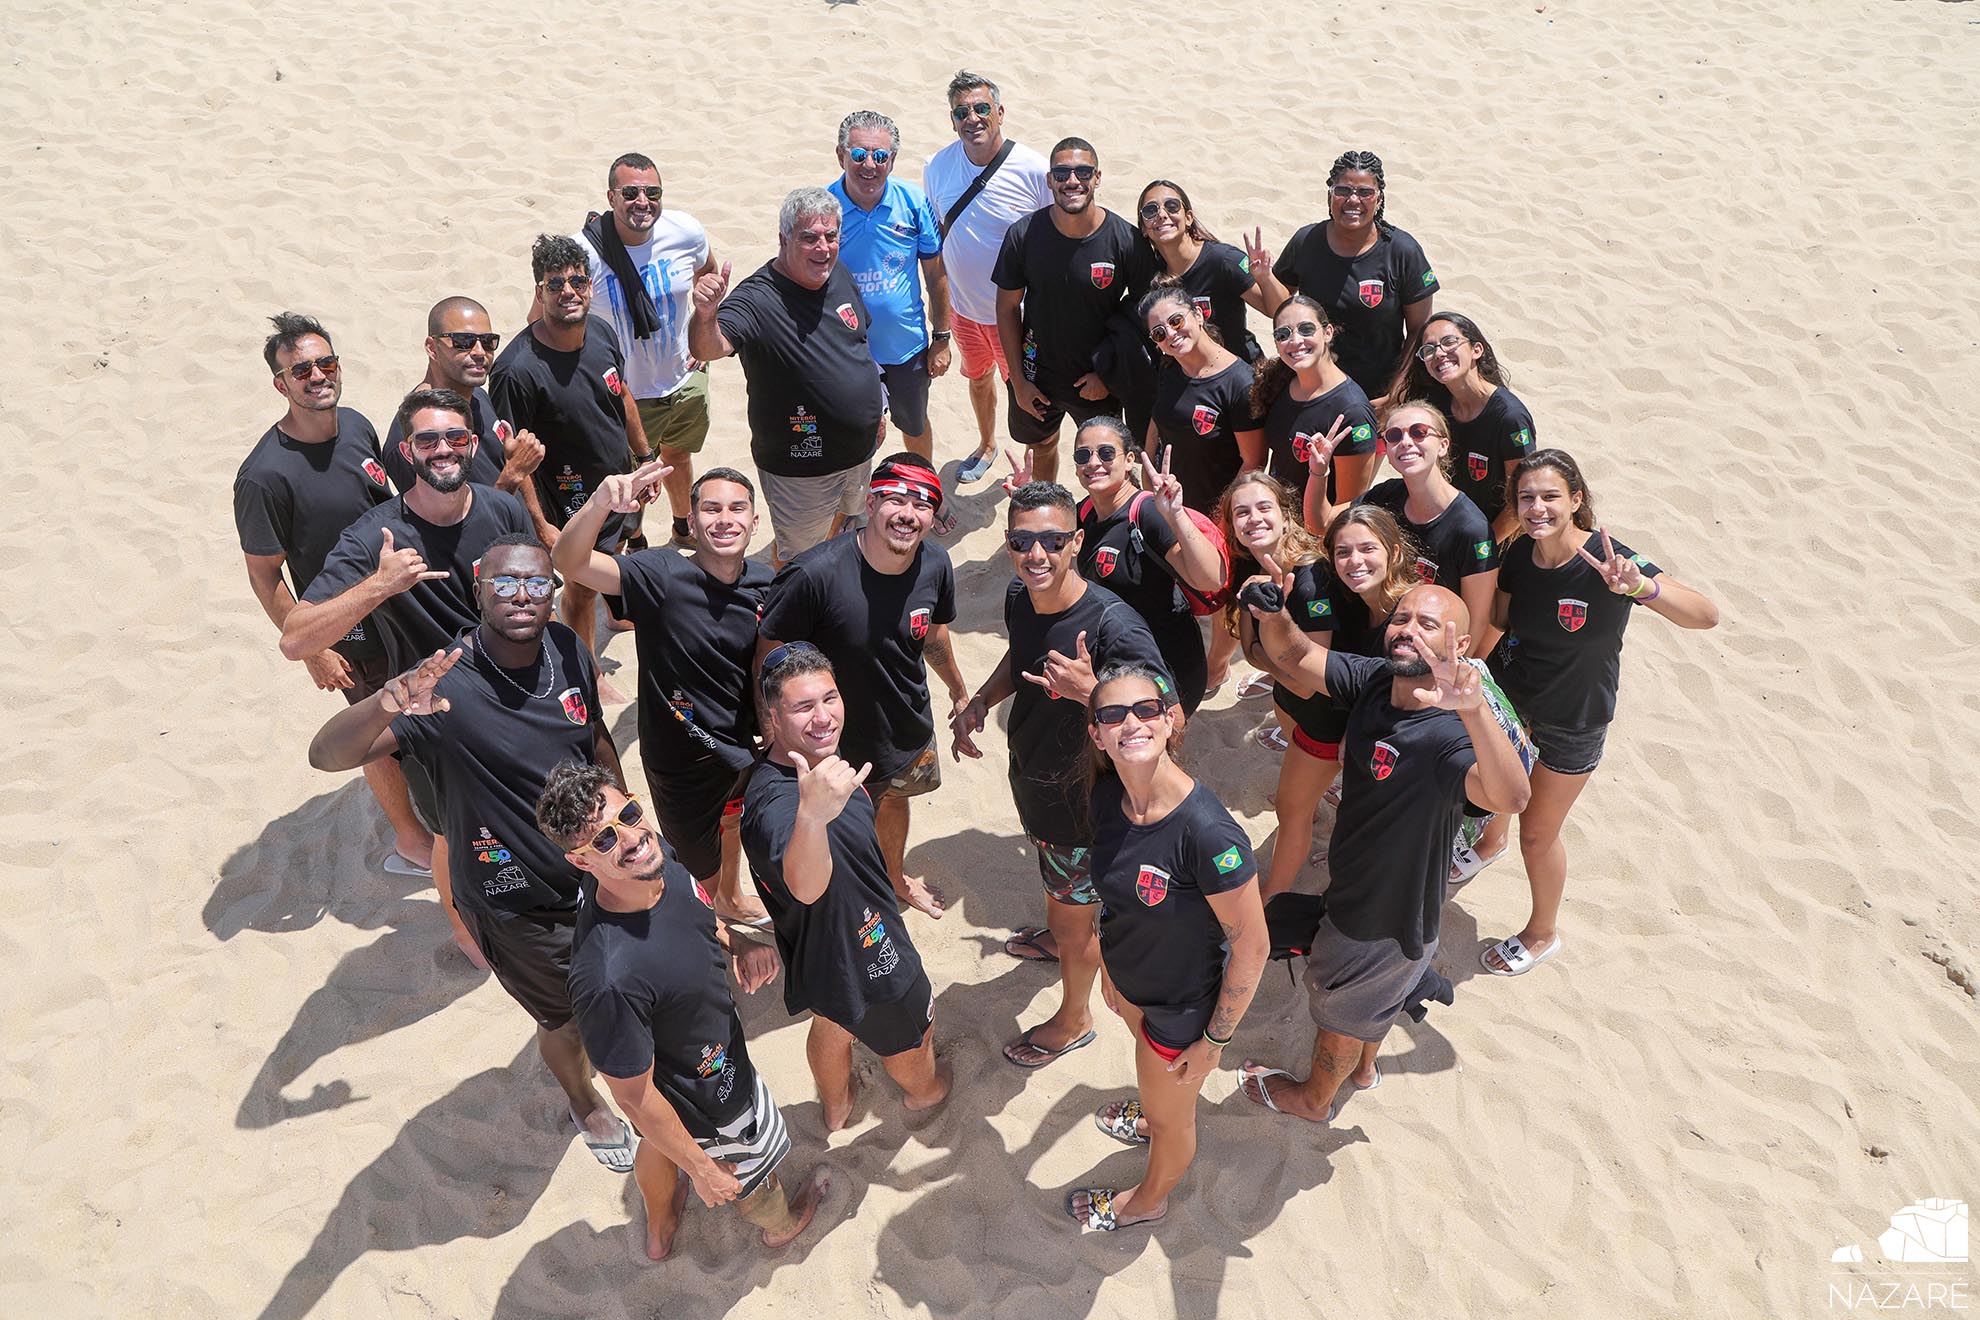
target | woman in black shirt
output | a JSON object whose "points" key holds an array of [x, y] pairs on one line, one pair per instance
{"points": [[1455, 368], [1302, 393], [1217, 276], [1565, 594], [1182, 934]]}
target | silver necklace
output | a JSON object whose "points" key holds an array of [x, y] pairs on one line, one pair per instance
{"points": [[549, 662]]}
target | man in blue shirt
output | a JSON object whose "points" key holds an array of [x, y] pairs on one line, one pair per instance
{"points": [[885, 228]]}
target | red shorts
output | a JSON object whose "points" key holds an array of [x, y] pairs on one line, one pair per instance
{"points": [[978, 346], [1324, 751]]}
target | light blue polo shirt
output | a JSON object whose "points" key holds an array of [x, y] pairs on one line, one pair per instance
{"points": [[883, 248]]}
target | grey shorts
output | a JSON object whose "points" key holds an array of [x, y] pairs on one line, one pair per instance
{"points": [[1356, 987], [1569, 751], [802, 508]]}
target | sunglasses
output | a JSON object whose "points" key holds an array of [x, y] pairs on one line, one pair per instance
{"points": [[606, 842], [1432, 347], [1147, 710], [1060, 173], [304, 369], [463, 341], [508, 584], [454, 437], [1304, 329], [578, 283], [981, 109], [632, 192], [779, 654], [1417, 431], [1159, 333], [1173, 205], [1054, 542], [860, 155], [1347, 190], [1087, 453]]}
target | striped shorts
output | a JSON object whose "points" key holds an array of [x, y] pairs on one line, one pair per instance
{"points": [[755, 1143]]}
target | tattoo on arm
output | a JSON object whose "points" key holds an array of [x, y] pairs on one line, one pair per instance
{"points": [[936, 653]]}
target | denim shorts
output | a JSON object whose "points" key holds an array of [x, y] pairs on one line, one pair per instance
{"points": [[1569, 751]]}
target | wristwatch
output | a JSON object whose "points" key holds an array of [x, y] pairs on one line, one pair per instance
{"points": [[942, 336]]}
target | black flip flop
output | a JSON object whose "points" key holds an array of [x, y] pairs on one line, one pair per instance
{"points": [[1026, 937], [1077, 1043]]}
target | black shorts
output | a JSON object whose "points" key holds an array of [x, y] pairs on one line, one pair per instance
{"points": [[1569, 751], [1029, 430], [618, 526], [367, 676], [1175, 1028], [907, 393], [896, 1028], [530, 954], [690, 806], [425, 795]]}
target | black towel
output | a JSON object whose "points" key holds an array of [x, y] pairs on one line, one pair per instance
{"points": [[603, 235]]}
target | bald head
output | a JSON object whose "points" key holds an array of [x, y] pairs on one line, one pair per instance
{"points": [[460, 345], [1437, 606], [1420, 628], [453, 313]]}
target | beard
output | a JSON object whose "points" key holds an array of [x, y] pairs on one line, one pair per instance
{"points": [[1410, 666], [445, 485]]}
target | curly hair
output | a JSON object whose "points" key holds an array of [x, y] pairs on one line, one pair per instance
{"points": [[571, 799]]}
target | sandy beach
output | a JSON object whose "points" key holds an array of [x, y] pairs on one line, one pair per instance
{"points": [[1728, 254]]}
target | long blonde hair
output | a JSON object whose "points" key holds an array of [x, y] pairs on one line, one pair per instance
{"points": [[1297, 546]]}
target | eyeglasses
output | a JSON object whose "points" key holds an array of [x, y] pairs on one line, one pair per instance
{"points": [[1173, 205], [1087, 453], [578, 283], [304, 369], [981, 109], [508, 584], [1054, 542], [1146, 710], [606, 842], [1159, 333], [1304, 329], [879, 155], [632, 192], [1347, 190], [1417, 431], [455, 437], [463, 341], [1060, 173], [1432, 347]]}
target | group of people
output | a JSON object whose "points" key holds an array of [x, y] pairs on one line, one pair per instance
{"points": [[1441, 648]]}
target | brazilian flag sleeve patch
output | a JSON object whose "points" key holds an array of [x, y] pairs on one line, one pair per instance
{"points": [[1228, 860]]}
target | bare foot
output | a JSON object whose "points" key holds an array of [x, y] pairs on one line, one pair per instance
{"points": [[743, 911], [833, 1122], [660, 1233], [617, 625], [1256, 1083], [804, 1205], [465, 943], [609, 695], [945, 1082], [915, 892]]}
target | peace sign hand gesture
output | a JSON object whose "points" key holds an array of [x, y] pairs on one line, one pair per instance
{"points": [[1255, 249], [1020, 469], [1322, 453], [1165, 487], [411, 693], [1620, 572], [1070, 679], [824, 789], [710, 289], [1270, 574], [627, 492], [1459, 687]]}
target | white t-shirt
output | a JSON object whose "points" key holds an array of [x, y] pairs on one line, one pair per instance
{"points": [[666, 262], [970, 250]]}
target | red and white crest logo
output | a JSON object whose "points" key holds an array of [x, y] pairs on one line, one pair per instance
{"points": [[374, 470], [1151, 885], [1371, 293], [504, 432], [1102, 273], [702, 894], [1204, 419], [474, 570], [1571, 614], [612, 381], [1426, 569], [849, 316], [575, 710], [1477, 465], [1202, 307], [918, 624], [1104, 559], [1382, 763], [1303, 446]]}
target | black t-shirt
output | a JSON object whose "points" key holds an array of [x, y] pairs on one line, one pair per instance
{"points": [[295, 498], [696, 637], [814, 392], [575, 403], [650, 990], [1199, 419], [1071, 286], [1402, 800], [849, 950], [1128, 555], [1311, 607], [872, 626], [1047, 736], [1163, 945], [1563, 657], [491, 448], [1363, 295], [426, 615], [1293, 428], [1216, 282], [1451, 547], [1500, 434], [489, 754]]}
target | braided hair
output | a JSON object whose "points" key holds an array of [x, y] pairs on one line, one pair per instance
{"points": [[1366, 162]]}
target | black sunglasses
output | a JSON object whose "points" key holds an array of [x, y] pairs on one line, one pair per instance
{"points": [[1147, 710], [631, 192], [1060, 173], [1173, 205], [556, 283], [981, 109], [462, 341], [1054, 542], [1087, 453], [779, 654], [1306, 330], [302, 370]]}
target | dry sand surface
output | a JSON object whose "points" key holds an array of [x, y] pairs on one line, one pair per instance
{"points": [[1729, 253]]}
